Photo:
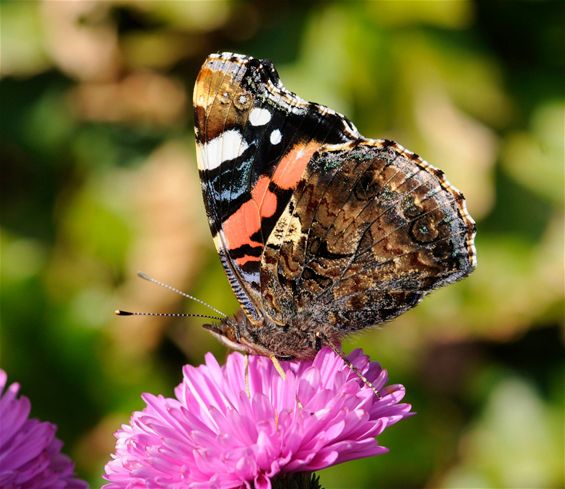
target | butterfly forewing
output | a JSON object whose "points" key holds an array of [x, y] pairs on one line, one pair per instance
{"points": [[254, 140]]}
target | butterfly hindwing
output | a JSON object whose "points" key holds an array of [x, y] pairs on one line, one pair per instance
{"points": [[369, 231]]}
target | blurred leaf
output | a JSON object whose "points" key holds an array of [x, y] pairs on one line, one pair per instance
{"points": [[23, 51], [199, 16], [159, 49], [446, 14], [22, 258], [81, 39], [515, 443], [94, 223], [536, 159]]}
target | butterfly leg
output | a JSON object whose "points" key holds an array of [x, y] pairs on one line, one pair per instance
{"points": [[278, 367], [324, 339], [246, 364]]}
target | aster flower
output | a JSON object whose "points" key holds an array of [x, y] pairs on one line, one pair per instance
{"points": [[244, 426], [30, 455]]}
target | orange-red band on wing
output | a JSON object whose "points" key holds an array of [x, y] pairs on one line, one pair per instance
{"points": [[247, 258], [291, 168], [265, 199], [246, 221]]}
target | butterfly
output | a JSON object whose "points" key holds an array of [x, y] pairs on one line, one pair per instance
{"points": [[321, 231]]}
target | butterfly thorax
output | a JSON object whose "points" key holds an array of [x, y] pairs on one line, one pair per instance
{"points": [[300, 340]]}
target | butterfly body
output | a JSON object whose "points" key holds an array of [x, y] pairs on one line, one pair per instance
{"points": [[321, 231]]}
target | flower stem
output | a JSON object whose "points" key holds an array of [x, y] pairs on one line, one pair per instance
{"points": [[299, 480]]}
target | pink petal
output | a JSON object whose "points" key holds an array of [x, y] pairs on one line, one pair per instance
{"points": [[226, 430]]}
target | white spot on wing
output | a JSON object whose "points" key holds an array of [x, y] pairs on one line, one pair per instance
{"points": [[227, 146], [275, 137], [259, 117]]}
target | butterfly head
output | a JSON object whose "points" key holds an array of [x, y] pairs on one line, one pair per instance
{"points": [[272, 340]]}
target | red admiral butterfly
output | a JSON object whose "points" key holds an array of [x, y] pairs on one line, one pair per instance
{"points": [[321, 231]]}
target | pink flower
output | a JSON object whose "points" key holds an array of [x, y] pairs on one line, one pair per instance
{"points": [[30, 455], [221, 432]]}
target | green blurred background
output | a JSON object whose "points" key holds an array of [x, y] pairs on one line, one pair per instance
{"points": [[99, 180]]}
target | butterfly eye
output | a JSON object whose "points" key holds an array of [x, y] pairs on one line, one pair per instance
{"points": [[318, 343]]}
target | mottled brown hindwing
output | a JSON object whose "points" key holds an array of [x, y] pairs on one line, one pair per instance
{"points": [[370, 229]]}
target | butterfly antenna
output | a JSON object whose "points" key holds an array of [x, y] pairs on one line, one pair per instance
{"points": [[144, 276], [120, 312], [346, 360]]}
